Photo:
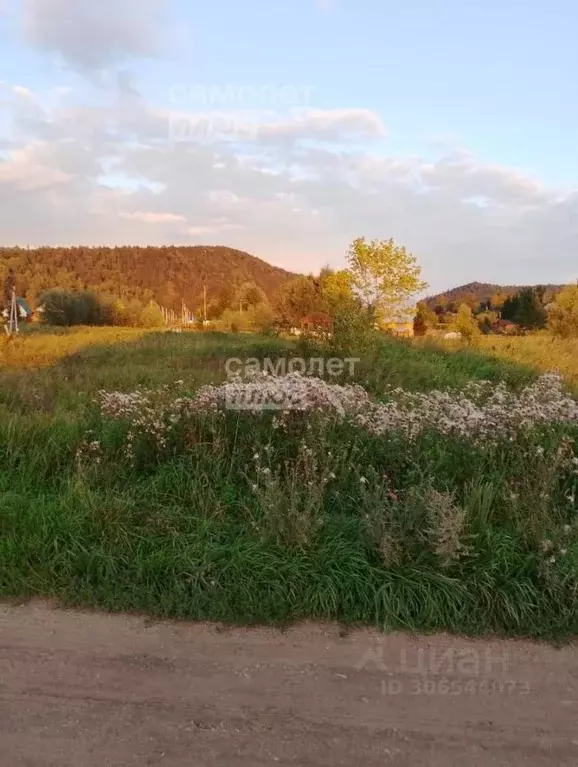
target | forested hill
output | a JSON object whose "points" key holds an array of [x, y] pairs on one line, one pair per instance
{"points": [[481, 292], [165, 274]]}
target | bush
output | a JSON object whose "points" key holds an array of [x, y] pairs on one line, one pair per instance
{"points": [[152, 317], [66, 308]]}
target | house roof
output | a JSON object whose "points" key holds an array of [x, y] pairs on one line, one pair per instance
{"points": [[23, 304]]}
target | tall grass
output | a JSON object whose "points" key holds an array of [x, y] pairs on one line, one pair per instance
{"points": [[541, 351], [238, 519]]}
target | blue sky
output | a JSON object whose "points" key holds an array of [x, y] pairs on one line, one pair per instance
{"points": [[499, 77], [413, 110]]}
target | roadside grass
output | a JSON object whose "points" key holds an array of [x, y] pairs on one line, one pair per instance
{"points": [[239, 519]]}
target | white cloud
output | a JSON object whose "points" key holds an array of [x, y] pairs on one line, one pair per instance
{"points": [[91, 35], [20, 90], [266, 126], [110, 175], [25, 171], [146, 217]]}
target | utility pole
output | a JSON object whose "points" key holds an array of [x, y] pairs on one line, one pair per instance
{"points": [[205, 302], [13, 326]]}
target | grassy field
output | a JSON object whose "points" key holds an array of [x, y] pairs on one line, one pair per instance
{"points": [[39, 345], [153, 503], [540, 351]]}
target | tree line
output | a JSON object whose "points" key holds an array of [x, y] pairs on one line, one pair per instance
{"points": [[164, 275], [529, 309], [376, 288]]}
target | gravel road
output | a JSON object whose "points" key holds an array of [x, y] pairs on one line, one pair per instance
{"points": [[91, 690]]}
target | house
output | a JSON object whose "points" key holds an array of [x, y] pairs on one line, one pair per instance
{"points": [[503, 327], [317, 323], [24, 311]]}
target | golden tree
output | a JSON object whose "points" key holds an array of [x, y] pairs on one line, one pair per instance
{"points": [[385, 277]]}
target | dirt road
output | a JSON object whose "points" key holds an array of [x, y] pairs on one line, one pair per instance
{"points": [[84, 690]]}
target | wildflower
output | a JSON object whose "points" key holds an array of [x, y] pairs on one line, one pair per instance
{"points": [[563, 552], [552, 560], [547, 545], [567, 529], [363, 480], [332, 475]]}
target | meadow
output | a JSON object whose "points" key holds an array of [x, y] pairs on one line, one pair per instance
{"points": [[433, 490], [540, 350]]}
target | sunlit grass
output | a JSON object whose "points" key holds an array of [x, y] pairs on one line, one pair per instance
{"points": [[37, 346], [184, 532], [540, 351]]}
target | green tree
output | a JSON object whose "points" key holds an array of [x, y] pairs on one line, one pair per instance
{"points": [[526, 308], [385, 277], [466, 324], [563, 313], [485, 321], [497, 301], [132, 313], [225, 300], [118, 312], [152, 316], [336, 290], [425, 319], [249, 295], [67, 308], [296, 299], [471, 300], [531, 312], [262, 317], [236, 321], [511, 308]]}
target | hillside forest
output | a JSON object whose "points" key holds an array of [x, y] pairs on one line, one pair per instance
{"points": [[153, 286]]}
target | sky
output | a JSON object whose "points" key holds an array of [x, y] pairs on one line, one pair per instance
{"points": [[289, 129]]}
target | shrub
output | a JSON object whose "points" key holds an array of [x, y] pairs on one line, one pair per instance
{"points": [[74, 308]]}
